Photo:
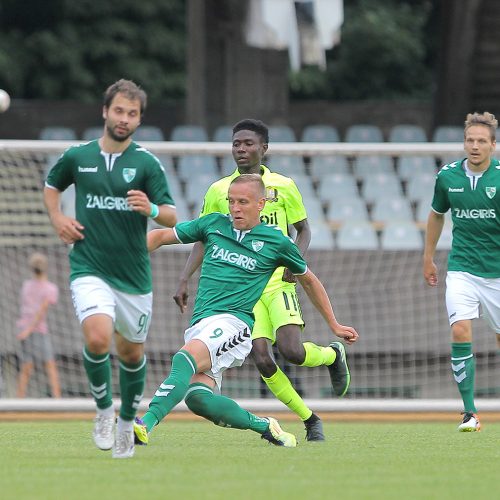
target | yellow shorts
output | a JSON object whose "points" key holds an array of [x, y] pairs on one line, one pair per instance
{"points": [[275, 309]]}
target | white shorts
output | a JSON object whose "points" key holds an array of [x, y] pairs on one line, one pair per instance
{"points": [[469, 296], [228, 341], [131, 314]]}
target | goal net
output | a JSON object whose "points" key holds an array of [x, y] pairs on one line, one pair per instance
{"points": [[404, 348]]}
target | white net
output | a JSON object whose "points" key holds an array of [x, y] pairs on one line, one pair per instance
{"points": [[404, 347]]}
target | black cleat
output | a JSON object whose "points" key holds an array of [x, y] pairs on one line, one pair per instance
{"points": [[314, 428], [339, 371]]}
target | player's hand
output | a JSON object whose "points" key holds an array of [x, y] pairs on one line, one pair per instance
{"points": [[67, 228], [288, 276], [139, 202], [24, 334], [347, 333], [181, 295], [430, 273]]}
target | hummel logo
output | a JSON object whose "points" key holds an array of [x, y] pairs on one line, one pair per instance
{"points": [[455, 190], [87, 169]]}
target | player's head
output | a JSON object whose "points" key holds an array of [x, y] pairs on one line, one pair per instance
{"points": [[480, 138], [38, 263], [247, 197], [250, 143], [124, 105]]}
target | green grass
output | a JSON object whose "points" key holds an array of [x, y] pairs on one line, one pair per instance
{"points": [[197, 460]]}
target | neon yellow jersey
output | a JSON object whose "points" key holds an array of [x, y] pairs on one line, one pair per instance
{"points": [[284, 206]]}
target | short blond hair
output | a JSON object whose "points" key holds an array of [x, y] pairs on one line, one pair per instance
{"points": [[485, 119], [255, 179], [38, 261]]}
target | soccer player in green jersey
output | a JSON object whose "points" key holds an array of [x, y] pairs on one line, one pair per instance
{"points": [[470, 188], [278, 318], [240, 255], [118, 185]]}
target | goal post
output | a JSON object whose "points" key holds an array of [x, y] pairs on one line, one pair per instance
{"points": [[402, 359]]}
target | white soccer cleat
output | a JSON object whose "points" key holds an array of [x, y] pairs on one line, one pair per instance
{"points": [[470, 423], [103, 431], [123, 446]]}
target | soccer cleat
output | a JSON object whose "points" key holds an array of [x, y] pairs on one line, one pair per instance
{"points": [[277, 436], [314, 429], [339, 371], [470, 422], [140, 432], [123, 446], [103, 431]]}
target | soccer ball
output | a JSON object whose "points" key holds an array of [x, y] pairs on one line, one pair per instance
{"points": [[4, 101]]}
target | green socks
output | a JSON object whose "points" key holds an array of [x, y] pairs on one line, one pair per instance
{"points": [[279, 384], [464, 367], [172, 390], [98, 369], [132, 381], [221, 410], [317, 355]]}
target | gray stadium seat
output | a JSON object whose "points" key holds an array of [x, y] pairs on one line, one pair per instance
{"points": [[335, 185], [420, 187], [446, 238], [286, 164], [423, 209], [372, 164], [357, 235], [195, 191], [380, 186], [324, 165], [364, 133], [407, 133], [411, 166], [281, 133], [401, 236], [448, 133], [223, 133], [189, 167], [148, 133], [321, 236], [189, 133], [58, 134], [320, 133], [228, 166], [347, 208], [392, 209]]}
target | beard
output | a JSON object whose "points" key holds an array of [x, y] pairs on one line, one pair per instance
{"points": [[116, 137]]}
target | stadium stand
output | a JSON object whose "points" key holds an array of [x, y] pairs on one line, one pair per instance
{"points": [[391, 209], [448, 133], [364, 133], [321, 236], [57, 134], [320, 133], [420, 187], [357, 235], [409, 166], [190, 166], [379, 186], [223, 133], [286, 164], [326, 165], [345, 209], [407, 133], [372, 164], [189, 133], [335, 185], [281, 133], [91, 133], [148, 133], [401, 235]]}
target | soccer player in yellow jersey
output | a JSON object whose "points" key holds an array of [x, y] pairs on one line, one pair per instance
{"points": [[278, 316]]}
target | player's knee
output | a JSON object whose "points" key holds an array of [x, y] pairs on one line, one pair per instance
{"points": [[97, 344], [197, 403], [265, 364], [294, 354], [461, 332]]}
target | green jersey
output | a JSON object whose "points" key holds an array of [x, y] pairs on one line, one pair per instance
{"points": [[284, 206], [474, 202], [114, 246], [237, 264]]}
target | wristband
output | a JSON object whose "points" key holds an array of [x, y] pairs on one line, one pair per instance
{"points": [[155, 211]]}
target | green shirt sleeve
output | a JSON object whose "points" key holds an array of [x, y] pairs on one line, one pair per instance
{"points": [[291, 258], [440, 201], [157, 185], [61, 174]]}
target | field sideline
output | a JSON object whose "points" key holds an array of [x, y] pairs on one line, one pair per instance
{"points": [[197, 460]]}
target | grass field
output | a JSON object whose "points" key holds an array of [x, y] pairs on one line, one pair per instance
{"points": [[197, 460]]}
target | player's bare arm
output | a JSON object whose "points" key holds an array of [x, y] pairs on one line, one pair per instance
{"points": [[68, 229], [158, 237], [194, 262], [302, 241], [318, 296], [435, 223], [139, 202]]}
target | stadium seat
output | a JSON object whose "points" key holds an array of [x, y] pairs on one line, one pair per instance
{"points": [[223, 133], [357, 235], [189, 133], [148, 133], [372, 164], [335, 185], [423, 209], [195, 191], [321, 236], [286, 164], [314, 208], [347, 208], [448, 133], [189, 167], [445, 240], [281, 133], [228, 166], [304, 183], [57, 134], [414, 166], [407, 133], [380, 186], [320, 133], [401, 236], [364, 133], [324, 165], [420, 187], [392, 209], [92, 133]]}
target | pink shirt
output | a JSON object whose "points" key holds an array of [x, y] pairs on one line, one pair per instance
{"points": [[33, 294]]}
